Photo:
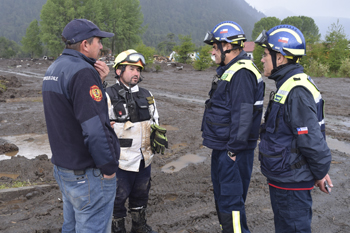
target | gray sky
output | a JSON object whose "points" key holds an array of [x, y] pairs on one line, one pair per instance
{"points": [[310, 8]]}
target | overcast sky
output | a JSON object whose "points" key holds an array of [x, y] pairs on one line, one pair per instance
{"points": [[310, 8]]}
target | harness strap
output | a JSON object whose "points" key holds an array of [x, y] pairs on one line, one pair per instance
{"points": [[298, 164]]}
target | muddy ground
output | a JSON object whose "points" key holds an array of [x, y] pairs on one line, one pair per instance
{"points": [[180, 201]]}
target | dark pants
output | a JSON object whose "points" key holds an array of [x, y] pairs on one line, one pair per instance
{"points": [[132, 185], [292, 210], [231, 181]]}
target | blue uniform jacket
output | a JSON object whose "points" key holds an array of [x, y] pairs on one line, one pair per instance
{"points": [[231, 119], [300, 111], [76, 113]]}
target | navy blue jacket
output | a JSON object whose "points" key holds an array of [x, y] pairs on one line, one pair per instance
{"points": [[292, 160], [76, 113], [233, 113]]}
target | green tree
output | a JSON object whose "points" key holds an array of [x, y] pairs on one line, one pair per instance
{"points": [[336, 46], [306, 25], [184, 49], [55, 15], [166, 47], [147, 52], [124, 19], [264, 24], [31, 41], [204, 60], [8, 48]]}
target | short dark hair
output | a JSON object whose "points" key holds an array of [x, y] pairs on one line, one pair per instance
{"points": [[76, 46]]}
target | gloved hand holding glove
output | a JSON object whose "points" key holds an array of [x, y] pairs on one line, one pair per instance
{"points": [[159, 140]]}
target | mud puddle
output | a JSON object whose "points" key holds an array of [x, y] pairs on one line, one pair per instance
{"points": [[182, 97], [26, 74], [30, 145], [182, 162], [338, 123], [341, 146], [10, 175]]}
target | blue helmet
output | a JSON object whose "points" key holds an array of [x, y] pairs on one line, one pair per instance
{"points": [[227, 31], [285, 39]]}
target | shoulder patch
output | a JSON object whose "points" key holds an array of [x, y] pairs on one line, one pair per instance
{"points": [[277, 98], [96, 93]]}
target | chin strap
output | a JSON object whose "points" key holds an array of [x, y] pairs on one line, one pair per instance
{"points": [[223, 53]]}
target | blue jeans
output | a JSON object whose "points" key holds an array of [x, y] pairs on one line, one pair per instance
{"points": [[292, 210], [87, 200], [231, 182]]}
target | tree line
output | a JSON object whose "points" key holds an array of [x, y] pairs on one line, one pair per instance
{"points": [[125, 20], [328, 58]]}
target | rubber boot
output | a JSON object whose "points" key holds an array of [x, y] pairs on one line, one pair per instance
{"points": [[118, 225], [139, 224]]}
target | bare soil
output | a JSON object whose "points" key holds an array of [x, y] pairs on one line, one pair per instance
{"points": [[180, 201]]}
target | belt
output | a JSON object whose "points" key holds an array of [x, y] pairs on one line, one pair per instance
{"points": [[79, 172], [76, 172]]}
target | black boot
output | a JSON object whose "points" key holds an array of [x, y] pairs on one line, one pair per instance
{"points": [[139, 224], [118, 225]]}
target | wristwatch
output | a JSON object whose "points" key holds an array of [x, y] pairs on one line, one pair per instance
{"points": [[230, 154]]}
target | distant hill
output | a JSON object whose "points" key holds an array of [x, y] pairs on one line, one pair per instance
{"points": [[184, 17], [16, 15], [194, 17]]}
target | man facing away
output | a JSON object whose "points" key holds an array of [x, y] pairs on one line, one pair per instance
{"points": [[293, 152], [85, 149], [133, 113], [231, 123]]}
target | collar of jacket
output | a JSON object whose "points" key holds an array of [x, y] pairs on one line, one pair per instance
{"points": [[133, 89], [74, 53], [221, 69], [285, 72]]}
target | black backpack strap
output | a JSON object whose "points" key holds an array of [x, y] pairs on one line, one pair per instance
{"points": [[113, 91]]}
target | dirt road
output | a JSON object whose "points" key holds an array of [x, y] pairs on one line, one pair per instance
{"points": [[181, 198]]}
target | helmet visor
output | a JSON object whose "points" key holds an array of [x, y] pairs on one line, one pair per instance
{"points": [[209, 38], [135, 57], [262, 39]]}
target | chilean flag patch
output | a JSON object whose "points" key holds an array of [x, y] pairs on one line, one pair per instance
{"points": [[303, 130], [224, 31]]}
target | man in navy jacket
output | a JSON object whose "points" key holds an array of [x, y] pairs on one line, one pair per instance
{"points": [[293, 152], [231, 123], [85, 149]]}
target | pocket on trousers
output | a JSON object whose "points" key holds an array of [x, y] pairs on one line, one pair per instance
{"points": [[77, 189], [109, 187]]}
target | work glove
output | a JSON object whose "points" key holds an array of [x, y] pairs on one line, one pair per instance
{"points": [[159, 140]]}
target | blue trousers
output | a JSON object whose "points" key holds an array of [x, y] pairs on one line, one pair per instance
{"points": [[292, 210], [87, 200], [132, 185], [231, 181]]}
